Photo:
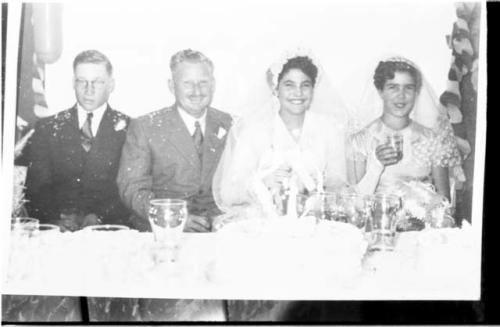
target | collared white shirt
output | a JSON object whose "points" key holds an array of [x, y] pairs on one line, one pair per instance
{"points": [[96, 118], [190, 121]]}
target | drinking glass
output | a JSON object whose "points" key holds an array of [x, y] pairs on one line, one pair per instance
{"points": [[23, 226], [106, 228], [46, 232], [167, 218], [301, 204], [381, 225], [323, 206], [395, 141], [356, 207]]}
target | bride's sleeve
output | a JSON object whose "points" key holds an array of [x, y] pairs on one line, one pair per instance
{"points": [[233, 177]]}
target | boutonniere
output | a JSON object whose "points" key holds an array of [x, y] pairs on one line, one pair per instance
{"points": [[222, 131], [121, 124]]}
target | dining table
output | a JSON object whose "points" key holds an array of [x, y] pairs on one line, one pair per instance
{"points": [[122, 276]]}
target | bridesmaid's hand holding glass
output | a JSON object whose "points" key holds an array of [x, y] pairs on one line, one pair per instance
{"points": [[387, 155]]}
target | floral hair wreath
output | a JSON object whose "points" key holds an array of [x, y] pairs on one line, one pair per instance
{"points": [[274, 71], [402, 60]]}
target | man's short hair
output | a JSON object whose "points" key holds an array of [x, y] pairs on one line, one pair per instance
{"points": [[93, 57], [191, 56]]}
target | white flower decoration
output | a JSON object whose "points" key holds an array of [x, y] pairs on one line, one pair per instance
{"points": [[221, 133], [121, 124], [415, 209]]}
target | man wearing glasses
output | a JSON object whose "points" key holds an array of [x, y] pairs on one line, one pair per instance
{"points": [[75, 154]]}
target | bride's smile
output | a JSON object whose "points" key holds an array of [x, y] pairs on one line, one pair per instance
{"points": [[295, 92]]}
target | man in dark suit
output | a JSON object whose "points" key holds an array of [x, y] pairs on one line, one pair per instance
{"points": [[74, 155], [173, 152]]}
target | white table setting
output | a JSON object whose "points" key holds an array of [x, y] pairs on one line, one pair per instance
{"points": [[282, 258]]}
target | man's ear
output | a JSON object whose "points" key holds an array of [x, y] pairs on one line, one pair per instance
{"points": [[111, 85], [171, 86]]}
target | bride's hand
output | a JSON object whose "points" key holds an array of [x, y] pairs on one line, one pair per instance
{"points": [[275, 180]]}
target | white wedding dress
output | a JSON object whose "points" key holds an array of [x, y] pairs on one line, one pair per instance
{"points": [[259, 143], [257, 147]]}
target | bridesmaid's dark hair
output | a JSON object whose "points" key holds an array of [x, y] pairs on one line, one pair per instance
{"points": [[305, 64], [387, 69]]}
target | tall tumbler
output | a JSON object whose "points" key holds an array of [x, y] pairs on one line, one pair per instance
{"points": [[381, 225], [167, 218]]}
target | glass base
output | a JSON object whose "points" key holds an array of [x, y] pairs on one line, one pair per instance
{"points": [[381, 240]]}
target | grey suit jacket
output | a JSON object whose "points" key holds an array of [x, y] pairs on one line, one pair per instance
{"points": [[159, 160]]}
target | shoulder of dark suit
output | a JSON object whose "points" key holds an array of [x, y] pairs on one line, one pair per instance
{"points": [[55, 119]]}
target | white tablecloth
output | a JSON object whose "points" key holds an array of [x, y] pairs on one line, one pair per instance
{"points": [[437, 264]]}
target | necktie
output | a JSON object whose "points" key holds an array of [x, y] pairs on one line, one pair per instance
{"points": [[86, 134], [198, 139]]}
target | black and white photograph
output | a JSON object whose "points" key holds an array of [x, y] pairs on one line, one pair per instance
{"points": [[228, 161]]}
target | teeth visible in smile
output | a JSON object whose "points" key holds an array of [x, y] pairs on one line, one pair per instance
{"points": [[297, 101], [400, 105]]}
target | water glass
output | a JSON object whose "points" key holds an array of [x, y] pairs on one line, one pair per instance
{"points": [[381, 225], [46, 232], [106, 228], [356, 207], [322, 205], [24, 226], [167, 218], [395, 141], [302, 204]]}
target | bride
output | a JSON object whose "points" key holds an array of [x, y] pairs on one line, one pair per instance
{"points": [[293, 146]]}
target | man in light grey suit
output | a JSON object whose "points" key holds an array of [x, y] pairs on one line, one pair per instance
{"points": [[173, 152]]}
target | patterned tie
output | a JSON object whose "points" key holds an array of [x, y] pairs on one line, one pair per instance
{"points": [[198, 139], [86, 134]]}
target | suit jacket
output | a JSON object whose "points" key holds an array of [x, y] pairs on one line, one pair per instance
{"points": [[159, 160], [62, 175]]}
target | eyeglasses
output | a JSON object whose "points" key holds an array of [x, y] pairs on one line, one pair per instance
{"points": [[84, 84]]}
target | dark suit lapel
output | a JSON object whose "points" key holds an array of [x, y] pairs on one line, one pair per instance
{"points": [[212, 145], [70, 135], [180, 138], [104, 138]]}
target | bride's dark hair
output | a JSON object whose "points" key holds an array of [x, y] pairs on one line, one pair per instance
{"points": [[387, 69], [305, 64]]}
